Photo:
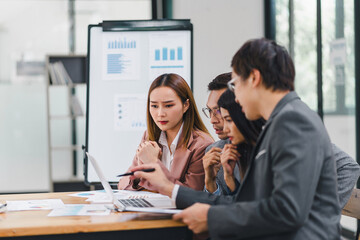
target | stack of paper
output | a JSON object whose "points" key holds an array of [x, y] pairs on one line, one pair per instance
{"points": [[59, 208]]}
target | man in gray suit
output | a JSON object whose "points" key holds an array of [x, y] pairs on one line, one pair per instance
{"points": [[347, 169], [290, 189]]}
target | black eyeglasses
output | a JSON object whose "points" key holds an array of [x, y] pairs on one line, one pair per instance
{"points": [[210, 112], [231, 84]]}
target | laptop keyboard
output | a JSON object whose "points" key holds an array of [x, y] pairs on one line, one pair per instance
{"points": [[135, 202]]}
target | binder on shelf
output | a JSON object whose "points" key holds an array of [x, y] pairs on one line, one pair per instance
{"points": [[64, 73], [53, 76], [59, 75], [67, 69]]}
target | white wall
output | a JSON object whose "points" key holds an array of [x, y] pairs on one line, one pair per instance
{"points": [[220, 28], [342, 133]]}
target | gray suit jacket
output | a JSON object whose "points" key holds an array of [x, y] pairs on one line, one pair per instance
{"points": [[347, 169], [348, 172], [289, 190]]}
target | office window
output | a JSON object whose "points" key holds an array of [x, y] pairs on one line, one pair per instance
{"points": [[300, 20], [296, 29], [338, 57]]}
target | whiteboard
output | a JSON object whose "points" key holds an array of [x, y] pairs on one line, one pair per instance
{"points": [[124, 58]]}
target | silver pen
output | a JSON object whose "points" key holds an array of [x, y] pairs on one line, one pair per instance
{"points": [[3, 205]]}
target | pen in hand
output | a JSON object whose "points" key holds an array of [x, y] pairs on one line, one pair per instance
{"points": [[132, 173], [3, 205]]}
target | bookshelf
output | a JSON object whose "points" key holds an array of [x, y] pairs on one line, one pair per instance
{"points": [[66, 85]]}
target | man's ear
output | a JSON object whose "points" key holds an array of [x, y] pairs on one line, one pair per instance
{"points": [[255, 77], [186, 105]]}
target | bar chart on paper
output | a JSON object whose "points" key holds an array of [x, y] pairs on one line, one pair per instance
{"points": [[168, 54], [121, 55], [121, 44]]}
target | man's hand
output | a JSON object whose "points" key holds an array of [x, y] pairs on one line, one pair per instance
{"points": [[211, 163], [148, 152], [155, 181], [195, 217], [228, 160]]}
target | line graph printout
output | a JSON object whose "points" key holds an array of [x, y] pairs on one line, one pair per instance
{"points": [[129, 112], [121, 56], [169, 53]]}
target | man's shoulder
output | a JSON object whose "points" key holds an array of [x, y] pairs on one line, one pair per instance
{"points": [[298, 115], [295, 122], [220, 144]]}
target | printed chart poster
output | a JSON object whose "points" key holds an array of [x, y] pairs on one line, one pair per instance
{"points": [[169, 52], [121, 56], [130, 112]]}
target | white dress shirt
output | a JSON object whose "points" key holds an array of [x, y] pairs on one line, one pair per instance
{"points": [[168, 154]]}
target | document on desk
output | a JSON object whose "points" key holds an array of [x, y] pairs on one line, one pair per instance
{"points": [[80, 210], [102, 197], [89, 194], [43, 204]]}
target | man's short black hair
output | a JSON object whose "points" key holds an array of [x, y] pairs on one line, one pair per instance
{"points": [[220, 82], [272, 60]]}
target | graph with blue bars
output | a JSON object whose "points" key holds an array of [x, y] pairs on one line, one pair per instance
{"points": [[169, 54], [121, 44]]}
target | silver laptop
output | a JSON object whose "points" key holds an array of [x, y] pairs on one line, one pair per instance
{"points": [[137, 204]]}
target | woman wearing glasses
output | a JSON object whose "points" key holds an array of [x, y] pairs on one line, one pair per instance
{"points": [[232, 163], [176, 137]]}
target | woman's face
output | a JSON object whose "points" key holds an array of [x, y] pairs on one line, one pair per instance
{"points": [[166, 108], [232, 132]]}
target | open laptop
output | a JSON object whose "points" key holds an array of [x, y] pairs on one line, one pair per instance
{"points": [[137, 204]]}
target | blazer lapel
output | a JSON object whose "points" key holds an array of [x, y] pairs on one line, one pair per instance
{"points": [[254, 153], [180, 160]]}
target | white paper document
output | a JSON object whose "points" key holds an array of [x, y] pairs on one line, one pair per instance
{"points": [[88, 194], [121, 56], [80, 210], [129, 112], [103, 197], [169, 53], [43, 204]]}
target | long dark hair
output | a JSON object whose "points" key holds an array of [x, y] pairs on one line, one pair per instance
{"points": [[249, 129], [191, 117]]}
